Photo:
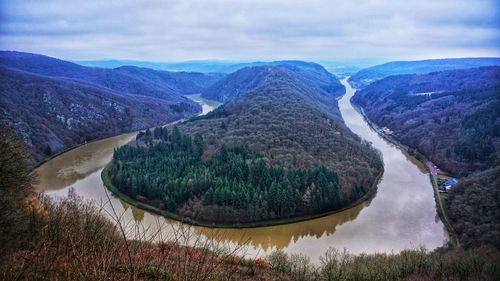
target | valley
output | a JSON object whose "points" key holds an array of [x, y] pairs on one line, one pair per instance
{"points": [[403, 205]]}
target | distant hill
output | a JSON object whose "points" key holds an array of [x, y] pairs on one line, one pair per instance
{"points": [[277, 144], [55, 104], [339, 67], [310, 75], [127, 79], [205, 66], [369, 75], [452, 116]]}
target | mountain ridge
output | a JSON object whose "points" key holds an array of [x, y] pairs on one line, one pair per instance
{"points": [[368, 75], [71, 104], [310, 75]]}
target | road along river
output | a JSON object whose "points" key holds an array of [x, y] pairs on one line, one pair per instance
{"points": [[402, 214]]}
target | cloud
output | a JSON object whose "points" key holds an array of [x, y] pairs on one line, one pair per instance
{"points": [[260, 29]]}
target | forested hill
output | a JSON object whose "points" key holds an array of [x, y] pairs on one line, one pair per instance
{"points": [[51, 114], [272, 152], [249, 78], [285, 120], [54, 104], [127, 79], [369, 75], [452, 116]]}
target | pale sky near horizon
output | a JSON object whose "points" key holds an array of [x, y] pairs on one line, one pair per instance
{"points": [[179, 30]]}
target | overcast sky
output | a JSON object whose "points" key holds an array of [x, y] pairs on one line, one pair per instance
{"points": [[250, 30]]}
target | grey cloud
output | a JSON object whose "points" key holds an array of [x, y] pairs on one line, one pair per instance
{"points": [[273, 29]]}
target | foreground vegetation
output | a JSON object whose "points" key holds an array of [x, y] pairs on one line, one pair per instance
{"points": [[68, 239]]}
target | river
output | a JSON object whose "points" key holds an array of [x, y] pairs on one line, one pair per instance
{"points": [[402, 214]]}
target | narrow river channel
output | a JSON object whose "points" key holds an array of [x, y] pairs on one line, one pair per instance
{"points": [[401, 215]]}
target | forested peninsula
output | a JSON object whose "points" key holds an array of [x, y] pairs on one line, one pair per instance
{"points": [[274, 153]]}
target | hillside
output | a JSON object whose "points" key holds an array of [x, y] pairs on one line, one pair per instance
{"points": [[126, 79], [369, 75], [451, 117], [54, 104], [474, 207], [248, 78], [52, 114], [275, 146]]}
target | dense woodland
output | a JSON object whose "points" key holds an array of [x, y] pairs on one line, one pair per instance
{"points": [[274, 152], [251, 76], [452, 117], [474, 207], [291, 125], [234, 185], [309, 80], [54, 105]]}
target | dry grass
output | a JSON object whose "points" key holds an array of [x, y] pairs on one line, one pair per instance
{"points": [[70, 239]]}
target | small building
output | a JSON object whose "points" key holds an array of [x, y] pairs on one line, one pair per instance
{"points": [[450, 183], [387, 131]]}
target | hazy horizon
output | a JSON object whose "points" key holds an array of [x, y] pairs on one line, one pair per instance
{"points": [[174, 31]]}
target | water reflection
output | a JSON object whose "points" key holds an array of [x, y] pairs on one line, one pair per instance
{"points": [[280, 237]]}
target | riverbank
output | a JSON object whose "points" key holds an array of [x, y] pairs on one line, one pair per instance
{"points": [[109, 185], [454, 239], [357, 229], [54, 155]]}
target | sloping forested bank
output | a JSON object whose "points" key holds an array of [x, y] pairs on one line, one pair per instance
{"points": [[452, 118], [473, 206], [54, 105], [273, 152]]}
